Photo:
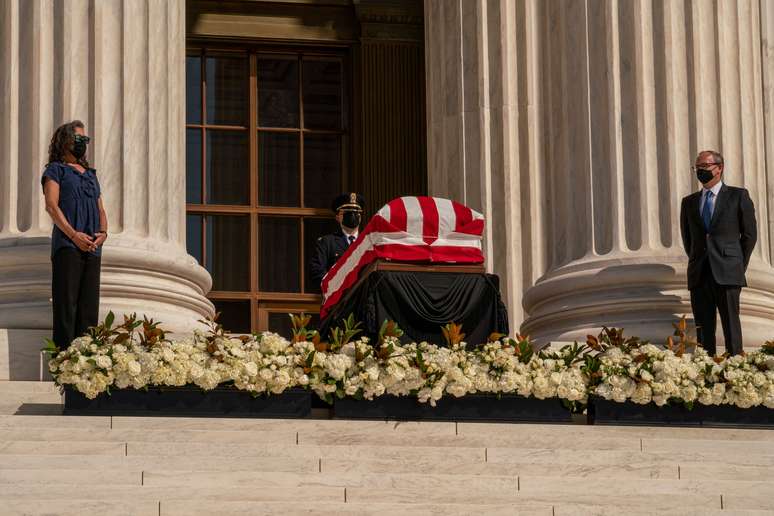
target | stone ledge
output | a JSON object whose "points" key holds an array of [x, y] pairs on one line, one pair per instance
{"points": [[20, 356]]}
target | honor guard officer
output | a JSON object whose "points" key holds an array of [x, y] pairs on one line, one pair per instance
{"points": [[348, 208]]}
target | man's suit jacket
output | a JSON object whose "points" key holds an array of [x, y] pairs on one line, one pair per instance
{"points": [[729, 242], [329, 249]]}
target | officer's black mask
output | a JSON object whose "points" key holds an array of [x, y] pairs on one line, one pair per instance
{"points": [[351, 219]]}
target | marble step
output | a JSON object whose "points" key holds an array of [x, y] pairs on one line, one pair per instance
{"points": [[497, 430], [734, 452], [676, 500], [116, 493], [30, 422], [359, 501], [70, 507], [159, 462], [471, 432], [166, 436], [253, 479], [533, 485], [84, 477], [605, 457], [306, 437], [350, 452], [564, 509], [645, 500], [228, 450], [79, 507], [414, 454], [408, 429], [708, 446], [564, 464], [573, 465], [61, 448], [643, 469], [435, 487], [15, 386], [30, 397], [472, 485], [332, 426], [332, 433], [187, 508], [311, 436], [363, 495], [741, 501], [568, 463], [348, 432], [31, 408]]}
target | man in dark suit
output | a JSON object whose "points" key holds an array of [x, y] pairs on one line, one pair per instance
{"points": [[348, 208], [719, 232]]}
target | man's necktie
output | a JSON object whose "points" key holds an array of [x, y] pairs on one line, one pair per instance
{"points": [[706, 211], [351, 238]]}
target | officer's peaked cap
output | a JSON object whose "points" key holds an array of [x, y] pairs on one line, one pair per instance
{"points": [[350, 200]]}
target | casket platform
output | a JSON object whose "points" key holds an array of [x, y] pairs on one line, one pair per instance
{"points": [[418, 262]]}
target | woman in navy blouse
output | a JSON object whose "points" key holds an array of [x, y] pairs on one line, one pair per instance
{"points": [[74, 201]]}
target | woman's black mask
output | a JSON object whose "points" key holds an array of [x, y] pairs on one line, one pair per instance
{"points": [[79, 145]]}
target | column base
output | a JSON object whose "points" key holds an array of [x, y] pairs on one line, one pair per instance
{"points": [[643, 295], [152, 278], [139, 275]]}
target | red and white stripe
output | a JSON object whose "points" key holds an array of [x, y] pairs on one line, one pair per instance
{"points": [[408, 229]]}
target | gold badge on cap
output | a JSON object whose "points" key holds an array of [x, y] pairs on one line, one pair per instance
{"points": [[353, 198]]}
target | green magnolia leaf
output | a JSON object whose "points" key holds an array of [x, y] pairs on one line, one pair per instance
{"points": [[525, 351], [310, 359], [109, 320]]}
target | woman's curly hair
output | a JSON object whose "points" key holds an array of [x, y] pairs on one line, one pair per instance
{"points": [[62, 142]]}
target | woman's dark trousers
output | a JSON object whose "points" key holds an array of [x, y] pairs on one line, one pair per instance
{"points": [[75, 293]]}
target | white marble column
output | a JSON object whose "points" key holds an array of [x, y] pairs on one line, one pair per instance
{"points": [[117, 65], [483, 134], [767, 65], [572, 126]]}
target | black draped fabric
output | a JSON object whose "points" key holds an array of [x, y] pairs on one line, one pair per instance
{"points": [[422, 302]]}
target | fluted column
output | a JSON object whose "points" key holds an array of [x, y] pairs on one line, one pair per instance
{"points": [[767, 66], [572, 126], [119, 66], [484, 136]]}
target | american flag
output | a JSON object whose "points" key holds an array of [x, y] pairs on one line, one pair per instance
{"points": [[408, 229]]}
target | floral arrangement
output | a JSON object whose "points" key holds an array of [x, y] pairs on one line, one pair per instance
{"points": [[680, 372], [138, 354]]}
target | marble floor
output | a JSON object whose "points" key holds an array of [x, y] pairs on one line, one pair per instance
{"points": [[53, 464]]}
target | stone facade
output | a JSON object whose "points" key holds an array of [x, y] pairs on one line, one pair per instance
{"points": [[118, 65], [572, 127]]}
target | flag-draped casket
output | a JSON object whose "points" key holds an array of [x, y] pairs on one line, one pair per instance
{"points": [[412, 230]]}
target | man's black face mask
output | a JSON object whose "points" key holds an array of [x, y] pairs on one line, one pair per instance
{"points": [[351, 219], [704, 175]]}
